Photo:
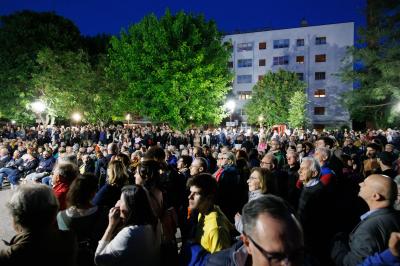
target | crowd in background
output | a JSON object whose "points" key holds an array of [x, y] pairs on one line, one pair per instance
{"points": [[117, 195]]}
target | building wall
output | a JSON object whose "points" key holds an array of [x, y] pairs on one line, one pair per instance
{"points": [[338, 38]]}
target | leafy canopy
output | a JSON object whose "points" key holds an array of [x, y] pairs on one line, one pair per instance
{"points": [[175, 69], [271, 97]]}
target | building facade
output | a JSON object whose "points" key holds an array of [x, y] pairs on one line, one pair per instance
{"points": [[315, 53]]}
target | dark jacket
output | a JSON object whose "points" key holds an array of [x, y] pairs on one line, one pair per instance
{"points": [[54, 247], [369, 236]]}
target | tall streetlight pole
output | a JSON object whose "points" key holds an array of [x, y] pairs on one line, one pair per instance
{"points": [[231, 106]]}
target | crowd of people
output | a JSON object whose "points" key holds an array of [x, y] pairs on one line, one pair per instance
{"points": [[148, 195]]}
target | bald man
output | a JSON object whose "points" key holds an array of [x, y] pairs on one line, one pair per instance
{"points": [[373, 232]]}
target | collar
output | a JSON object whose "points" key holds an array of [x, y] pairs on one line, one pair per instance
{"points": [[312, 182], [240, 256], [367, 214]]}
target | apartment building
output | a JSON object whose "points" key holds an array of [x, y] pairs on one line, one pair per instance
{"points": [[315, 53]]}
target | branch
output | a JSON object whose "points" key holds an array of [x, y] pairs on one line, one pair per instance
{"points": [[378, 105]]}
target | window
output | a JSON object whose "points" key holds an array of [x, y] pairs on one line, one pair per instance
{"points": [[281, 60], [261, 62], [262, 46], [320, 58], [244, 95], [230, 64], [300, 76], [300, 59], [245, 62], [319, 75], [283, 43], [319, 110], [244, 79], [260, 77], [300, 42], [246, 46], [319, 93], [320, 40]]}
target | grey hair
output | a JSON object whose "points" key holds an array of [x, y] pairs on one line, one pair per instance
{"points": [[314, 165], [33, 206], [324, 151]]}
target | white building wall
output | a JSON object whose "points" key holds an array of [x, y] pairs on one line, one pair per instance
{"points": [[339, 37]]}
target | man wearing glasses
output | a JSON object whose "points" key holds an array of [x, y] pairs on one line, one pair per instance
{"points": [[271, 236]]}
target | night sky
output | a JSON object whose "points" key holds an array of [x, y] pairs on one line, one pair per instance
{"points": [[109, 16]]}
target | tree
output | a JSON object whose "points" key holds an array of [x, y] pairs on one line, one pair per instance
{"points": [[297, 110], [22, 36], [67, 83], [271, 97], [376, 66], [175, 69]]}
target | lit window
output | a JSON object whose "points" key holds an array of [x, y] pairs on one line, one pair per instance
{"points": [[281, 60], [244, 79], [320, 40], [262, 45], [246, 46], [261, 62], [300, 59], [244, 95], [283, 43], [245, 62], [320, 58], [300, 42], [319, 110], [319, 75], [319, 93]]}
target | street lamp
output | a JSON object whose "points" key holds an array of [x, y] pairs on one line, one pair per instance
{"points": [[38, 107], [231, 106], [77, 117], [13, 122], [260, 120], [128, 118]]}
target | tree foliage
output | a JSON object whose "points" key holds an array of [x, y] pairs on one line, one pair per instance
{"points": [[271, 97], [22, 36], [297, 110], [175, 68], [67, 83], [43, 56], [377, 66]]}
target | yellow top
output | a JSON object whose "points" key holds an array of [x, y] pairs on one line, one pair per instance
{"points": [[213, 231]]}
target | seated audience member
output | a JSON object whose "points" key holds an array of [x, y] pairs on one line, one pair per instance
{"points": [[33, 208], [110, 192], [64, 174], [213, 228], [372, 233], [45, 167], [10, 170], [271, 236], [138, 242], [86, 220]]}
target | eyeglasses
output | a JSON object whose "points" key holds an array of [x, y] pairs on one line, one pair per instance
{"points": [[264, 163], [274, 258]]}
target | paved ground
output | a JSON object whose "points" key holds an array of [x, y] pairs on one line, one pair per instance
{"points": [[6, 229]]}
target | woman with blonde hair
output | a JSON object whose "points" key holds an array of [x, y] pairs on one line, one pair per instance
{"points": [[261, 182], [110, 192]]}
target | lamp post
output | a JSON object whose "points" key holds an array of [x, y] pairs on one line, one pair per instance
{"points": [[38, 107], [231, 106], [76, 117], [128, 118], [260, 120]]}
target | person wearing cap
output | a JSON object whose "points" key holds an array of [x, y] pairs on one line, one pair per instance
{"points": [[385, 160]]}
